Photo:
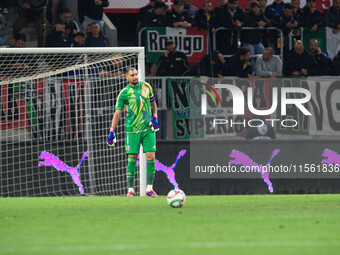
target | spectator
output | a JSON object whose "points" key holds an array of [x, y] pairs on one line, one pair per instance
{"points": [[114, 67], [205, 18], [155, 17], [296, 8], [55, 6], [221, 3], [3, 28], [311, 17], [268, 65], [332, 16], [274, 8], [96, 37], [20, 41], [229, 16], [178, 17], [263, 6], [57, 37], [142, 13], [213, 65], [285, 20], [323, 62], [247, 9], [172, 63], [299, 62], [71, 27], [34, 11], [79, 40], [4, 6], [92, 11], [190, 8], [336, 65], [239, 64], [253, 38]]}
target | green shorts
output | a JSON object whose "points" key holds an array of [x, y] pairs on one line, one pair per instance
{"points": [[146, 138]]}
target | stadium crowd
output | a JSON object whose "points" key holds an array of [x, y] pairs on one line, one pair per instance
{"points": [[243, 53], [246, 53]]}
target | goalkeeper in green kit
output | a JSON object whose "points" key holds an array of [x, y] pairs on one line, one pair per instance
{"points": [[141, 125]]}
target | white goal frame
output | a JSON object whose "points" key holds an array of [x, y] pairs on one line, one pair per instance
{"points": [[86, 50]]}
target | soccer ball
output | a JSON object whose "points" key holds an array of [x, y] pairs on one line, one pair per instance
{"points": [[176, 198]]}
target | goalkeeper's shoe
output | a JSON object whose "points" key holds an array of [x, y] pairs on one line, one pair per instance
{"points": [[151, 193], [130, 194]]}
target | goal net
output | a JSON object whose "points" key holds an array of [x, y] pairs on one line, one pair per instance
{"points": [[56, 108]]}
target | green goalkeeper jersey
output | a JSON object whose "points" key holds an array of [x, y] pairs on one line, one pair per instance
{"points": [[137, 104]]}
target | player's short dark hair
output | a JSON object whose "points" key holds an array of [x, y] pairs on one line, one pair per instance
{"points": [[288, 6], [129, 69], [243, 51], [66, 10], [20, 37]]}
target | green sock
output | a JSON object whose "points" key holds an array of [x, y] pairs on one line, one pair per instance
{"points": [[150, 172], [131, 171]]}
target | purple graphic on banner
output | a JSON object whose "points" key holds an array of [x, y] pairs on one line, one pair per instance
{"points": [[330, 157], [242, 159], [52, 160], [168, 170]]}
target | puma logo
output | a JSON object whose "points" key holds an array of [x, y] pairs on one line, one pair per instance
{"points": [[52, 160], [239, 158], [168, 170]]}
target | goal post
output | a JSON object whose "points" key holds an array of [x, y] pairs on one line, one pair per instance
{"points": [[56, 108]]}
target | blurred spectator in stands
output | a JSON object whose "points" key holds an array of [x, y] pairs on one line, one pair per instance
{"points": [[92, 11], [155, 17], [3, 28], [142, 12], [311, 17], [4, 6], [248, 8], [332, 16], [205, 18], [229, 16], [268, 65], [297, 11], [190, 8], [56, 5], [96, 37], [71, 27], [78, 40], [263, 6], [34, 11], [172, 63], [285, 20], [114, 68], [20, 41], [239, 64], [57, 37], [213, 65], [260, 129], [253, 38], [299, 62], [323, 62], [178, 17], [335, 70], [274, 8]]}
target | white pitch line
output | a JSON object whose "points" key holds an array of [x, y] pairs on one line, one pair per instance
{"points": [[193, 245]]}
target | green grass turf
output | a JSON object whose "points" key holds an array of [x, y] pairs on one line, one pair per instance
{"points": [[265, 224]]}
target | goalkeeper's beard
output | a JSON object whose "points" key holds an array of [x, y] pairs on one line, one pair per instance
{"points": [[134, 82]]}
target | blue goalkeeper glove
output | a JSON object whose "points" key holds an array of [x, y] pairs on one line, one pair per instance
{"points": [[112, 138], [154, 123]]}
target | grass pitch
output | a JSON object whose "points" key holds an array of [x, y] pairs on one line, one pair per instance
{"points": [[266, 224]]}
